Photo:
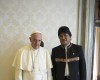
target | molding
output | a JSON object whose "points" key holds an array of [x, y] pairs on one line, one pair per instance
{"points": [[80, 9]]}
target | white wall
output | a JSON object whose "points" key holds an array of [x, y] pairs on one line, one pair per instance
{"points": [[18, 18]]}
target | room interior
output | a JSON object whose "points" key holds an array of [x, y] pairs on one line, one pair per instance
{"points": [[19, 18]]}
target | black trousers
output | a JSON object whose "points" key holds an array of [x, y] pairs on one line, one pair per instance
{"points": [[66, 77]]}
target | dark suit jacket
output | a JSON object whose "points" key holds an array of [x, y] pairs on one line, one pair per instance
{"points": [[76, 62]]}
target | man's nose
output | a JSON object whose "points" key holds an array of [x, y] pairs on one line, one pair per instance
{"points": [[63, 37]]}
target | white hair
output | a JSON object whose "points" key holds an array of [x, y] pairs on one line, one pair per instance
{"points": [[35, 32]]}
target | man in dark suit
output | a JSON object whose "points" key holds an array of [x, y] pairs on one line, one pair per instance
{"points": [[68, 58]]}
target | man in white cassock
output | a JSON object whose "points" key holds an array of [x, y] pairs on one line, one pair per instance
{"points": [[33, 62]]}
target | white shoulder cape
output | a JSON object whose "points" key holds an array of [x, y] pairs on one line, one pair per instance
{"points": [[23, 58]]}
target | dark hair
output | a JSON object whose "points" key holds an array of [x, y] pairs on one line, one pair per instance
{"points": [[42, 44], [64, 29]]}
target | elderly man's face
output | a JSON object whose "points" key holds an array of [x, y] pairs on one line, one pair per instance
{"points": [[35, 40], [64, 39]]}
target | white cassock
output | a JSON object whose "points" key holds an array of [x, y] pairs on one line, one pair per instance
{"points": [[32, 64]]}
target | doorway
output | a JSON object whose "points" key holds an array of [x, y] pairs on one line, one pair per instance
{"points": [[96, 62]]}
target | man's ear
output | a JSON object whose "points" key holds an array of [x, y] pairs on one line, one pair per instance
{"points": [[70, 38]]}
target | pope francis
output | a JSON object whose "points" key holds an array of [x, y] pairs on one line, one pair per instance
{"points": [[33, 62]]}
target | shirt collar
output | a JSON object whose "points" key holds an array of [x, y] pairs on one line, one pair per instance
{"points": [[68, 46]]}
